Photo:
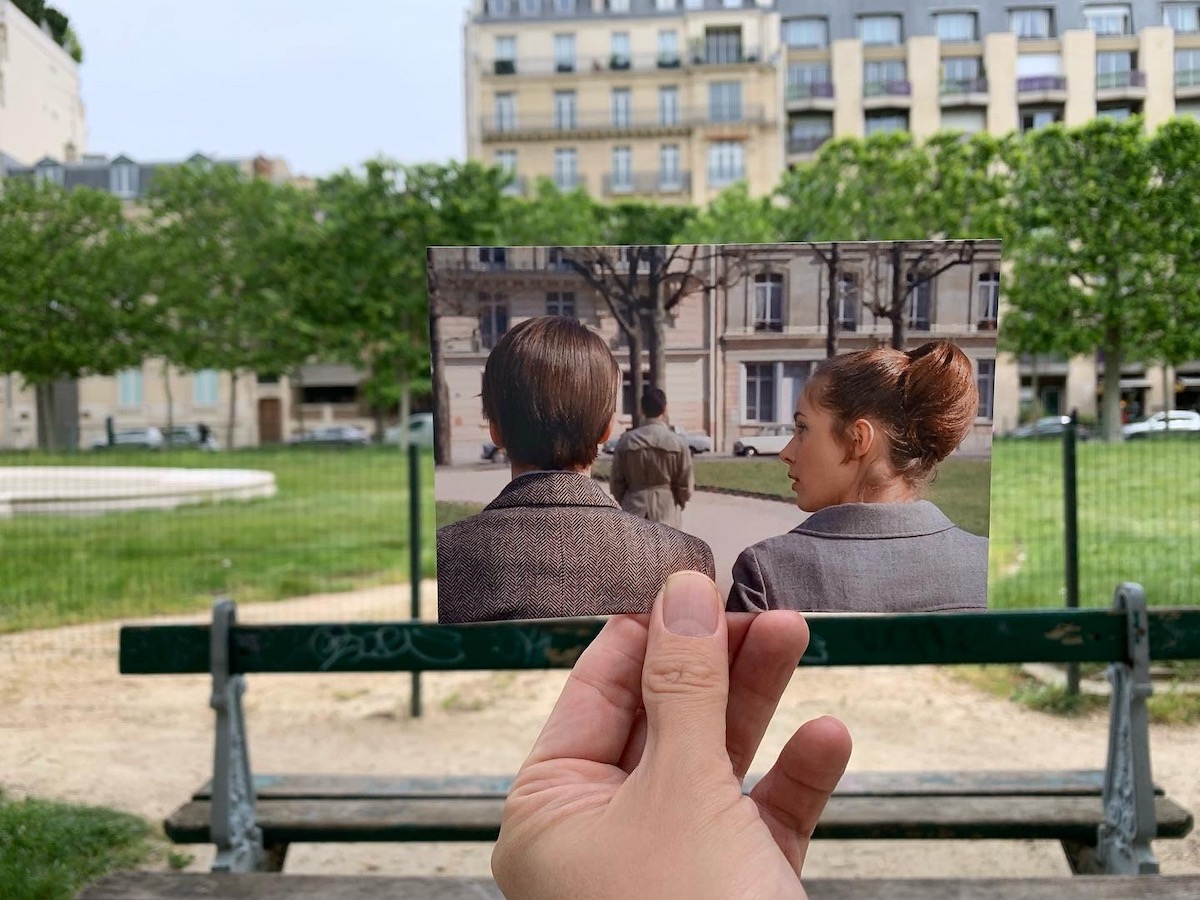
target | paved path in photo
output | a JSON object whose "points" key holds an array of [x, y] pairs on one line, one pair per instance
{"points": [[728, 523]]}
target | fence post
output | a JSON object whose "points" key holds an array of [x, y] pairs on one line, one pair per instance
{"points": [[414, 550], [1071, 531]]}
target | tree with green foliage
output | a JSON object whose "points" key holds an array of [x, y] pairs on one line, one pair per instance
{"points": [[733, 217], [1089, 261], [59, 25], [72, 291]]}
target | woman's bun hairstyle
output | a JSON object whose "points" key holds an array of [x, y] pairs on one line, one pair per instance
{"points": [[939, 397]]}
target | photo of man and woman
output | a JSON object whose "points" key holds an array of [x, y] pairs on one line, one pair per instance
{"points": [[601, 411]]}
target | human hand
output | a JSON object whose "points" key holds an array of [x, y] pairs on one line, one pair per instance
{"points": [[634, 787]]}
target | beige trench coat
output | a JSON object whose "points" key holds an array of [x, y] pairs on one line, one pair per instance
{"points": [[652, 473]]}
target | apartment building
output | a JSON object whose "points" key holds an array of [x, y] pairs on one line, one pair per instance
{"points": [[670, 100], [267, 408], [40, 107], [741, 342]]}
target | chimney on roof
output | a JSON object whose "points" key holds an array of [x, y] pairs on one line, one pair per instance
{"points": [[70, 152]]}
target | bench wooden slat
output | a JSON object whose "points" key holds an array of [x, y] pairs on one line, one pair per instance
{"points": [[163, 886], [846, 818], [873, 784], [1047, 635]]}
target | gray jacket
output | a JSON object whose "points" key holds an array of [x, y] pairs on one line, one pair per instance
{"points": [[865, 557], [652, 473]]}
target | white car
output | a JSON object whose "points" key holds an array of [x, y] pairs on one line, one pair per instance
{"points": [[770, 439], [420, 431], [150, 438], [1178, 420]]}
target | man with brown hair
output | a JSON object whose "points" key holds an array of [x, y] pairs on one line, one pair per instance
{"points": [[553, 543], [652, 466]]}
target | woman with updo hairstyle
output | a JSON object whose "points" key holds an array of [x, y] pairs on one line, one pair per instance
{"points": [[870, 429]]}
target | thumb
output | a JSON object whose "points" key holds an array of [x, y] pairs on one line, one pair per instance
{"points": [[685, 677]]}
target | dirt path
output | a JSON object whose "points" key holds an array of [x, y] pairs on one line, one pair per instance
{"points": [[72, 728]]}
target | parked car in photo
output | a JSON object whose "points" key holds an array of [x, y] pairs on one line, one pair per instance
{"points": [[331, 436], [190, 437], [1177, 420], [420, 431], [492, 453], [1048, 427], [697, 441], [770, 439], [149, 438]]}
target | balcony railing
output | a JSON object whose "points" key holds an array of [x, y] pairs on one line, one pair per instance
{"points": [[1120, 80], [634, 119], [964, 86], [808, 143], [647, 183], [637, 62], [816, 90], [1037, 83], [887, 89]]}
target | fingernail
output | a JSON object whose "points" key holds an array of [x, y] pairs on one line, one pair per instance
{"points": [[690, 605]]}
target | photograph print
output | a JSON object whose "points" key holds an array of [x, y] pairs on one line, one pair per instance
{"points": [[809, 424]]}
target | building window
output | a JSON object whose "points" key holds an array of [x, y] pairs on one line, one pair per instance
{"points": [[51, 174], [123, 180], [493, 257], [880, 121], [1113, 69], [566, 169], [768, 302], [987, 292], [204, 388], [666, 5], [722, 46], [1115, 113], [628, 402], [807, 133], [693, 4], [961, 74], [506, 162], [808, 80], [621, 57], [725, 101], [1108, 20], [1034, 118], [564, 52], [955, 27], [499, 7], [920, 301], [1031, 24], [847, 305], [506, 55], [506, 111], [622, 169], [493, 320], [668, 49], [805, 34], [531, 7], [668, 106], [618, 6], [564, 7], [887, 76], [880, 30], [620, 107], [669, 176], [733, 4], [760, 392], [129, 387], [561, 303], [985, 380], [1187, 68], [726, 163], [564, 110], [1182, 16]]}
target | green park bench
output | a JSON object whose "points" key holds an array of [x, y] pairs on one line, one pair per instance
{"points": [[1104, 819]]}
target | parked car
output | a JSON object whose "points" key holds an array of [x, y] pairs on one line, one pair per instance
{"points": [[697, 441], [420, 431], [149, 438], [492, 453], [1177, 420], [1048, 427], [770, 439], [331, 436], [189, 436]]}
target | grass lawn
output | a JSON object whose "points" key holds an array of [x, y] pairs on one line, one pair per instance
{"points": [[1139, 520], [339, 521], [961, 487], [48, 851]]}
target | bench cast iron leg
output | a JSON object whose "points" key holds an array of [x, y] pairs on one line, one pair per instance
{"points": [[233, 829]]}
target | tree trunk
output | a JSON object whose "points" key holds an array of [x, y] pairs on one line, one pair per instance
{"points": [[405, 383], [298, 397], [832, 265], [657, 331], [47, 439], [441, 392], [635, 375], [1168, 396], [166, 374], [1112, 389], [233, 380], [1035, 382], [899, 306]]}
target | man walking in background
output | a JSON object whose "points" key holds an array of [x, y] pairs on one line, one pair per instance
{"points": [[652, 466]]}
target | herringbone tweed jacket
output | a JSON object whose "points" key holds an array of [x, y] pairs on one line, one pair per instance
{"points": [[555, 544]]}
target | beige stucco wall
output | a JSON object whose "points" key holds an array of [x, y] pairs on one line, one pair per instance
{"points": [[41, 110]]}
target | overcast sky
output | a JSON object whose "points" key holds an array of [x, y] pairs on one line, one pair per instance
{"points": [[323, 84]]}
